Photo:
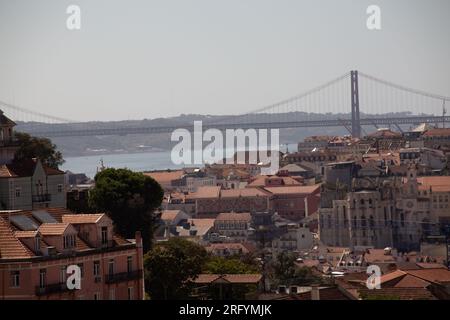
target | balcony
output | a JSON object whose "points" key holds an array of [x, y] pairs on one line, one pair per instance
{"points": [[123, 276], [46, 197], [9, 143], [51, 289]]}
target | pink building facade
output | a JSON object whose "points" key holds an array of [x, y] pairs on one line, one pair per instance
{"points": [[37, 247]]}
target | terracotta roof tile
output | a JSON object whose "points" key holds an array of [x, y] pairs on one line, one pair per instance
{"points": [[205, 193], [231, 216], [409, 281], [436, 183], [82, 218], [80, 245], [441, 132], [399, 293], [232, 278], [169, 215], [432, 275], [274, 181], [395, 275], [10, 246], [25, 234], [25, 168], [119, 240], [247, 192], [324, 294], [165, 176], [293, 190], [377, 255], [53, 229], [201, 225]]}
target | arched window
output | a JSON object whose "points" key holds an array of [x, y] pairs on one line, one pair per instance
{"points": [[385, 216], [371, 222], [344, 215], [363, 221]]}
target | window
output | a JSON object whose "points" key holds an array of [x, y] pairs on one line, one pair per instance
{"points": [[371, 222], [111, 267], [15, 279], [81, 266], [18, 192], [104, 235], [129, 264], [37, 244], [69, 241], [60, 188], [96, 268], [363, 221], [130, 293], [42, 278], [62, 274], [97, 296]]}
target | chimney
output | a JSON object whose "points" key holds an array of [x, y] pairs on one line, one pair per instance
{"points": [[138, 238], [315, 295]]}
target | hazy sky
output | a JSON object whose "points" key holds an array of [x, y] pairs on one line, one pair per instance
{"points": [[145, 59]]}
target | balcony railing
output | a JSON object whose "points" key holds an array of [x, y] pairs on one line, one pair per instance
{"points": [[42, 197], [123, 276], [9, 143], [51, 289]]}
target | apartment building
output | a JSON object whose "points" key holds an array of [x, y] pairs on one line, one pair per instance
{"points": [[210, 201], [292, 237], [37, 247], [26, 184], [437, 189], [233, 225], [30, 185]]}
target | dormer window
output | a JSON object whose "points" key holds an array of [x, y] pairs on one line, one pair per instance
{"points": [[104, 235], [69, 241], [37, 244]]}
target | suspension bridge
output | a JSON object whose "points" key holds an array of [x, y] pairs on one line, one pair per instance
{"points": [[354, 100]]}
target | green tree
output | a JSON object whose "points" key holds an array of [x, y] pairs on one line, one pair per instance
{"points": [[130, 199], [230, 265], [220, 265], [286, 272], [35, 147], [170, 267]]}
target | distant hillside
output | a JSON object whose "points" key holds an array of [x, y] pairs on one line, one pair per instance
{"points": [[76, 146]]}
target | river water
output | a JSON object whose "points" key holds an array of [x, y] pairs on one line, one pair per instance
{"points": [[159, 160]]}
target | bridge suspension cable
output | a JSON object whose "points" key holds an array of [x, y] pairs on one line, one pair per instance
{"points": [[400, 87], [34, 113], [302, 95]]}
